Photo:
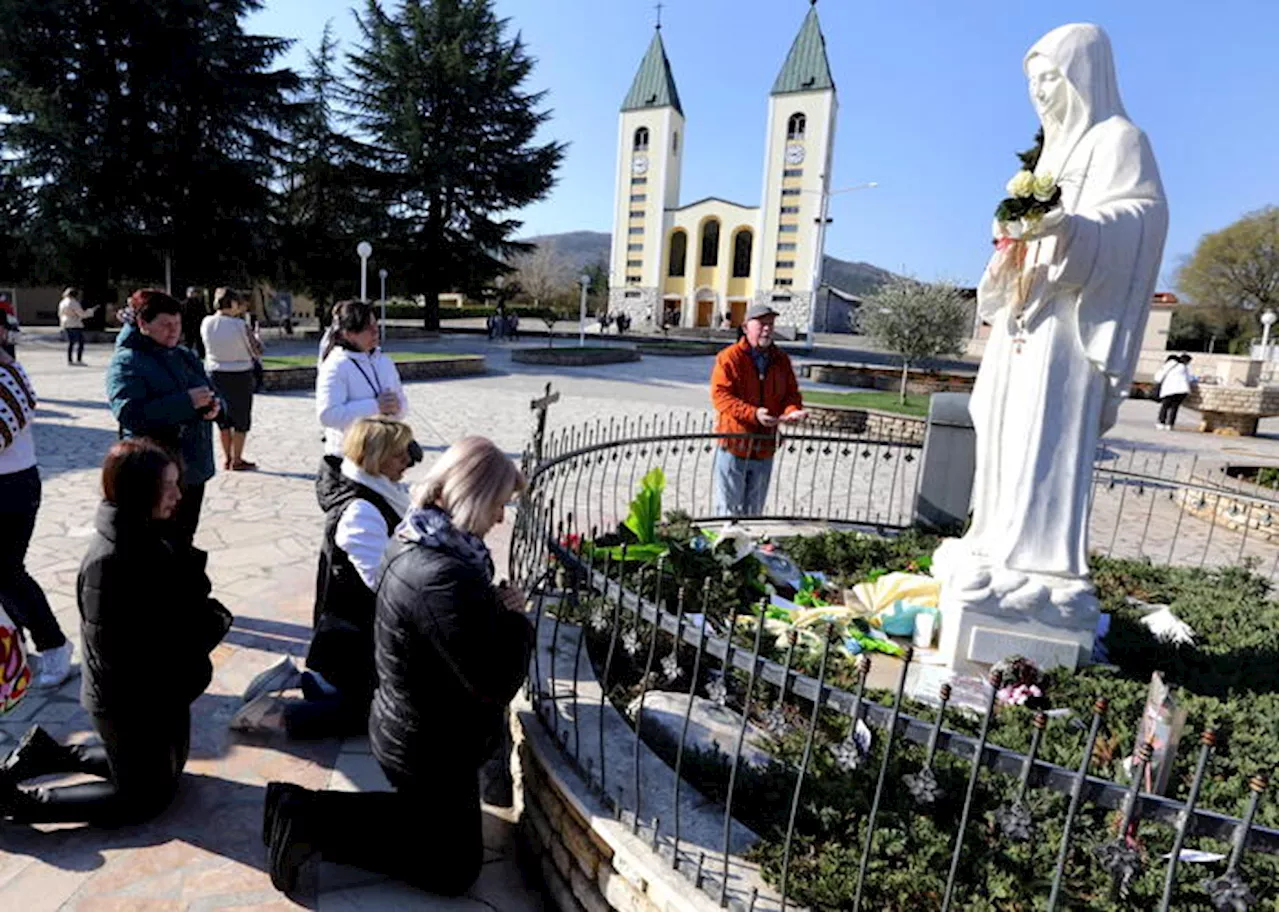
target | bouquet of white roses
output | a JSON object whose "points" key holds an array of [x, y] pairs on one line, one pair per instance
{"points": [[1031, 197], [1034, 202]]}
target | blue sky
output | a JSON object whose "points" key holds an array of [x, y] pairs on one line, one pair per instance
{"points": [[932, 106]]}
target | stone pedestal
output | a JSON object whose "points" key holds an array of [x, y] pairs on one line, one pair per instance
{"points": [[946, 470], [990, 615]]}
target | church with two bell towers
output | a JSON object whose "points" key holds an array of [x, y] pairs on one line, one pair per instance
{"points": [[694, 265]]}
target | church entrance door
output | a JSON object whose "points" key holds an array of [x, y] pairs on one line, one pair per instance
{"points": [[737, 313], [706, 310]]}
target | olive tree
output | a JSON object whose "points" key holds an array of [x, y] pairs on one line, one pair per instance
{"points": [[917, 321], [1235, 267]]}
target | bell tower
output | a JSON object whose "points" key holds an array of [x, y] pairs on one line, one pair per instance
{"points": [[650, 147], [797, 176]]}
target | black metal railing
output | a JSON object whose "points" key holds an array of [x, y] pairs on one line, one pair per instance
{"points": [[1145, 505], [627, 622]]}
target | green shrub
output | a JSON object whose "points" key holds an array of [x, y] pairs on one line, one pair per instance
{"points": [[1227, 681]]}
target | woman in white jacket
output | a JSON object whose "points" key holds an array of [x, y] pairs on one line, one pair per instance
{"points": [[1174, 380], [355, 380]]}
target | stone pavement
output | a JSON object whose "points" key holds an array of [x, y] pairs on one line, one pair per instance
{"points": [[262, 531]]}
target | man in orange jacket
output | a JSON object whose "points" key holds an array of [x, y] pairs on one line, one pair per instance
{"points": [[754, 390]]}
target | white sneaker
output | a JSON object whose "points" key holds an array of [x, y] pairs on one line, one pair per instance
{"points": [[1161, 426], [55, 665], [263, 714], [283, 675]]}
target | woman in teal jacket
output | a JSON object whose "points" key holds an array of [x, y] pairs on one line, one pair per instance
{"points": [[159, 390]]}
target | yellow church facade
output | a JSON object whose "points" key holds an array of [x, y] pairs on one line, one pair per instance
{"points": [[699, 264]]}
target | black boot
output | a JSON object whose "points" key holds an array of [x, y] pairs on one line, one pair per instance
{"points": [[276, 791], [293, 838], [37, 754]]}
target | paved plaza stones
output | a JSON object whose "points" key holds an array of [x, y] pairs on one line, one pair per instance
{"points": [[262, 531]]}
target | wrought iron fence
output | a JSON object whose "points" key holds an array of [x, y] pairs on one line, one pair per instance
{"points": [[1145, 505], [724, 661]]}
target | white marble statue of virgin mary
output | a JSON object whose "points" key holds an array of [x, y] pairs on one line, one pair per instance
{"points": [[1064, 345]]}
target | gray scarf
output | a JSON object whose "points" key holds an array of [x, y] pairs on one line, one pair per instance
{"points": [[434, 528]]}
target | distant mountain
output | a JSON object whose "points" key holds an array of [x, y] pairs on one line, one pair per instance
{"points": [[582, 248], [579, 248], [858, 279]]}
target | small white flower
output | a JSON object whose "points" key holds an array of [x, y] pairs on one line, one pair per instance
{"points": [[717, 692], [598, 620], [1021, 185], [671, 667], [631, 642]]}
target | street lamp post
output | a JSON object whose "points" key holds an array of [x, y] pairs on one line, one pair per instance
{"points": [[1268, 320], [584, 280], [819, 244], [382, 274], [364, 250]]}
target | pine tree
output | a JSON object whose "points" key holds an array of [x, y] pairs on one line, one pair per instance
{"points": [[141, 132], [325, 212], [436, 89]]}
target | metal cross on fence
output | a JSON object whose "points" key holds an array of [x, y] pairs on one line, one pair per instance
{"points": [[540, 406]]}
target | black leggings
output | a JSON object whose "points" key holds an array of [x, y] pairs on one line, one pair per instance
{"points": [[442, 811], [20, 594], [1169, 408], [139, 764]]}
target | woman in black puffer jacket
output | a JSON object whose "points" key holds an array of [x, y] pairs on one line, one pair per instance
{"points": [[451, 650], [148, 626]]}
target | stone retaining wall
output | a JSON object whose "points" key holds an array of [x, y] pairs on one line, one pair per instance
{"points": [[295, 378], [889, 379], [1233, 410], [574, 357], [1227, 512], [866, 422]]}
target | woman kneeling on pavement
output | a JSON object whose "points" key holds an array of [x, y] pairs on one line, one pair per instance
{"points": [[452, 650], [363, 505], [148, 626]]}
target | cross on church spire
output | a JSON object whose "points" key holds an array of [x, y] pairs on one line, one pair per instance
{"points": [[658, 23]]}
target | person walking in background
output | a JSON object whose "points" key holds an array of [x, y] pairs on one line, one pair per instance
{"points": [[362, 509], [194, 310], [753, 390], [356, 379], [451, 650], [1174, 384], [20, 493], [159, 390], [71, 317], [229, 360], [148, 625]]}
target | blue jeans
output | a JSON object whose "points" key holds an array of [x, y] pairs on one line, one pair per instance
{"points": [[740, 485]]}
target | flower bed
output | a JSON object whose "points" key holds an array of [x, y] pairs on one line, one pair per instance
{"points": [[1226, 681], [410, 365]]}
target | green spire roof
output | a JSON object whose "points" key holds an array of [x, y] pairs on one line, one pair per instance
{"points": [[806, 69], [654, 86]]}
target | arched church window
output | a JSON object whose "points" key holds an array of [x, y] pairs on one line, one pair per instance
{"points": [[795, 126], [676, 258], [710, 243], [641, 142], [742, 254]]}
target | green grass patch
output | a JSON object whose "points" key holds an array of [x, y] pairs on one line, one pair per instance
{"points": [[279, 362], [917, 406]]}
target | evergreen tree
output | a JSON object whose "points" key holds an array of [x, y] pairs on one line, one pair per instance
{"points": [[325, 212], [436, 90], [140, 133]]}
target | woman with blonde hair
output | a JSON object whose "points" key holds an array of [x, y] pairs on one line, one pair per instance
{"points": [[363, 506], [452, 650]]}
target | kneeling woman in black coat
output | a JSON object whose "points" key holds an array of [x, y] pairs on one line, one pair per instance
{"points": [[148, 626], [451, 650]]}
